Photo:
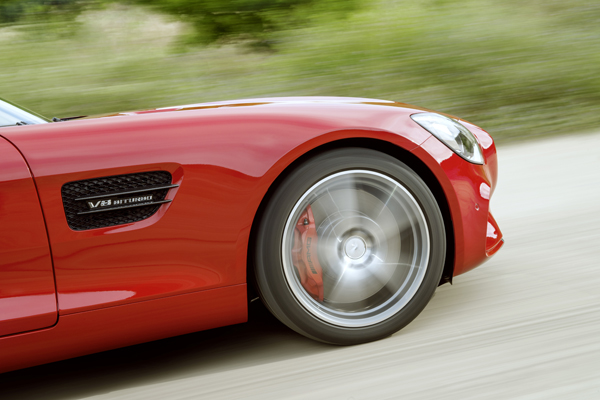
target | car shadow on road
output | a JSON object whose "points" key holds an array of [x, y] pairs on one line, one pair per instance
{"points": [[261, 340]]}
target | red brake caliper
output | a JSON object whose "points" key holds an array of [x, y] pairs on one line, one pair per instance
{"points": [[304, 255]]}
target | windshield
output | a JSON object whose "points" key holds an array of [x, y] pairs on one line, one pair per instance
{"points": [[11, 115]]}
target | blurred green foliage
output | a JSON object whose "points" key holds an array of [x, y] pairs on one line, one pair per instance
{"points": [[519, 69], [250, 20], [38, 10]]}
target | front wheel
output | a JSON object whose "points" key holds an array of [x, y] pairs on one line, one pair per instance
{"points": [[350, 248]]}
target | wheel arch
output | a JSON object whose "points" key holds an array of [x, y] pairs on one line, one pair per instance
{"points": [[382, 146]]}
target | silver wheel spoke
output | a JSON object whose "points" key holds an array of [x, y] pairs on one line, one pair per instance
{"points": [[372, 246]]}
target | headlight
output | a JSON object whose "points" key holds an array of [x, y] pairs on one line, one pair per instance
{"points": [[458, 138]]}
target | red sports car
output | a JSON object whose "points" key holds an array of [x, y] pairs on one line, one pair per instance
{"points": [[342, 214]]}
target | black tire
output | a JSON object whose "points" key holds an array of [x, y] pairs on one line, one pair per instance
{"points": [[362, 255]]}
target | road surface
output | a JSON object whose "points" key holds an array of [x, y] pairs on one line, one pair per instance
{"points": [[524, 325]]}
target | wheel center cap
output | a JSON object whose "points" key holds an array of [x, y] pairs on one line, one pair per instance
{"points": [[355, 247]]}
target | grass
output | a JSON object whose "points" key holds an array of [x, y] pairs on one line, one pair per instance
{"points": [[520, 70]]}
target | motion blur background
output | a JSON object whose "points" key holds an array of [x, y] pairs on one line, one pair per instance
{"points": [[518, 68]]}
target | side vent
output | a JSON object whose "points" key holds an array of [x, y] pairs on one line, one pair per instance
{"points": [[115, 200]]}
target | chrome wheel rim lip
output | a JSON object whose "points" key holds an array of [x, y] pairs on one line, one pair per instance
{"points": [[403, 293]]}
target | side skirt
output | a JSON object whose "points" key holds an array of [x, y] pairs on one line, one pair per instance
{"points": [[109, 328]]}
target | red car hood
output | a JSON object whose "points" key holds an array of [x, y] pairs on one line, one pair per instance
{"points": [[264, 101]]}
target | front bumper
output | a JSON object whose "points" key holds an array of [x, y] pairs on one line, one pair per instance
{"points": [[494, 239], [468, 188]]}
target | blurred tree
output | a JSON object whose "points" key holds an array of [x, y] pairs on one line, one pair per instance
{"points": [[38, 10], [254, 21]]}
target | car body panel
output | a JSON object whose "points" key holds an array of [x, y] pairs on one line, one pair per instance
{"points": [[225, 160], [190, 257], [27, 293]]}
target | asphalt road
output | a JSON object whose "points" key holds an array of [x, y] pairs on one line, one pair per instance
{"points": [[524, 325]]}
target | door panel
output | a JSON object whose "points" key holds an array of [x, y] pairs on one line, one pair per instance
{"points": [[27, 292], [197, 241]]}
